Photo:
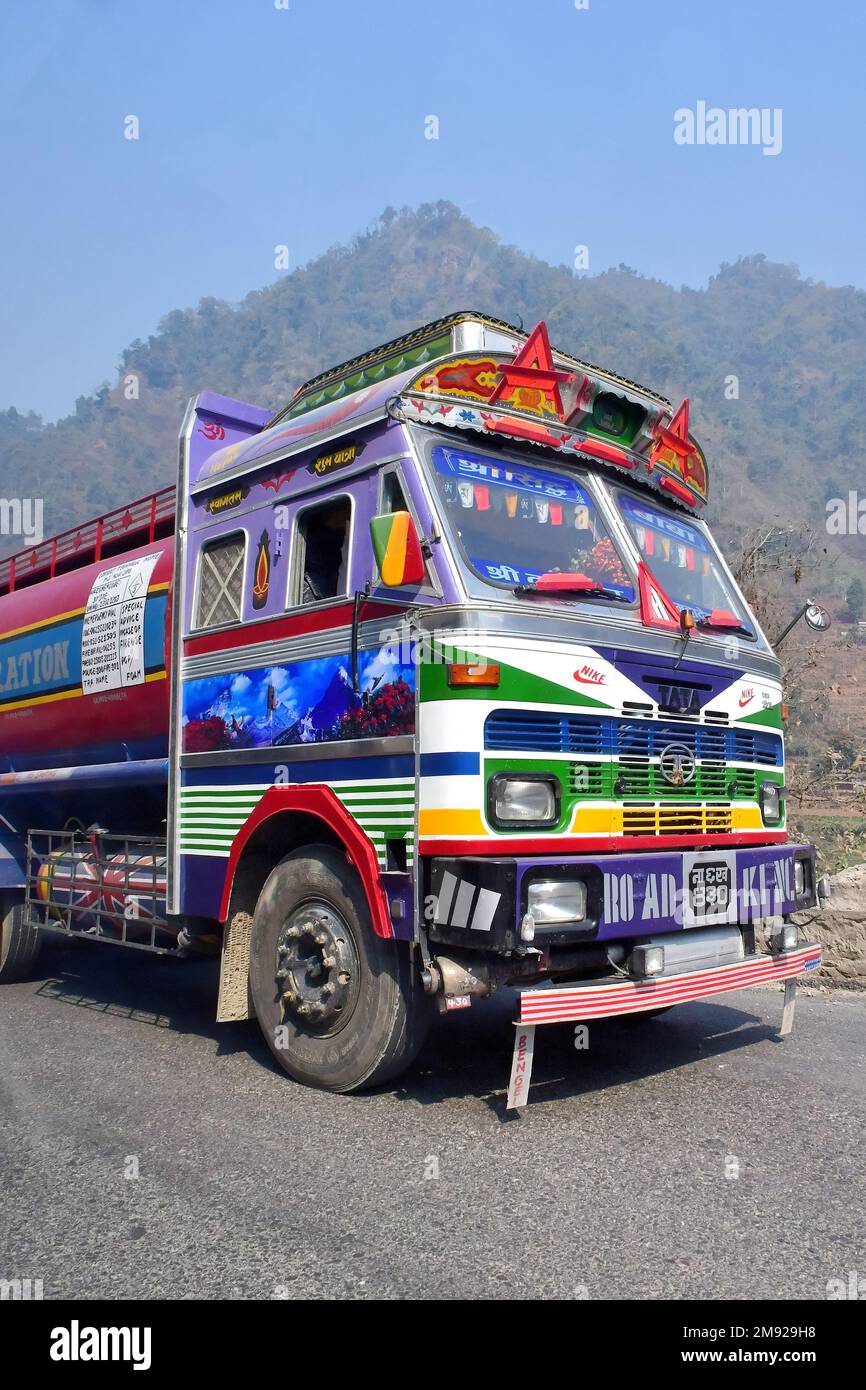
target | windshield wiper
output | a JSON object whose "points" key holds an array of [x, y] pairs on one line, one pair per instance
{"points": [[571, 586]]}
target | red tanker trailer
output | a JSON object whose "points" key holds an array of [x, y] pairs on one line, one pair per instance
{"points": [[85, 619]]}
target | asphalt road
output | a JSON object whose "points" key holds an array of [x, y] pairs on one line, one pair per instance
{"points": [[249, 1186]]}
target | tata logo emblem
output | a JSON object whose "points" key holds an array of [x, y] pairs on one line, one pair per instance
{"points": [[677, 763], [680, 699]]}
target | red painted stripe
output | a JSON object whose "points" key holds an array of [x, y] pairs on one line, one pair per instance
{"points": [[599, 1001], [286, 625], [661, 998], [607, 844], [685, 980]]}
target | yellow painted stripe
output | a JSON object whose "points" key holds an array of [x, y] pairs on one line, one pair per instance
{"points": [[74, 694], [589, 820], [44, 622], [451, 823], [595, 820]]}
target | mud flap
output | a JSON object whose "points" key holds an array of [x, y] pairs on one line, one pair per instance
{"points": [[788, 1008], [521, 1065], [234, 996]]}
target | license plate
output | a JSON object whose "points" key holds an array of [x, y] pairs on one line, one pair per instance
{"points": [[710, 890]]}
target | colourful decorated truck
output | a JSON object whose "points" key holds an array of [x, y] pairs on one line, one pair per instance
{"points": [[431, 685]]}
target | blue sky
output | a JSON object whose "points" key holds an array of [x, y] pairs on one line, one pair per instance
{"points": [[261, 126]]}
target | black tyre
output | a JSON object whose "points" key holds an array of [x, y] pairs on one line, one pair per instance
{"points": [[340, 1007], [19, 943]]}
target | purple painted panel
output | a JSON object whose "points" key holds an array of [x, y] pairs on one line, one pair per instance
{"points": [[336, 415], [651, 893]]}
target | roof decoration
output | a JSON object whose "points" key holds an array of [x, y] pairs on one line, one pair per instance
{"points": [[536, 395], [470, 371]]}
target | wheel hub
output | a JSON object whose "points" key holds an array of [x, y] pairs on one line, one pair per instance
{"points": [[317, 967]]}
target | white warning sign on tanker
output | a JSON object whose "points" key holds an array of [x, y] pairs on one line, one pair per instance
{"points": [[112, 636]]}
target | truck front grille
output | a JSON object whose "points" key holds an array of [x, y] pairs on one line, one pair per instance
{"points": [[677, 820], [627, 740]]}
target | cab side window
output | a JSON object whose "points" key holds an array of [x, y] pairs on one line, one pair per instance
{"points": [[221, 581], [393, 496], [323, 537]]}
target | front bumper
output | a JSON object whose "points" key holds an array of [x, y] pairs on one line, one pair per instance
{"points": [[579, 1003], [572, 1003]]}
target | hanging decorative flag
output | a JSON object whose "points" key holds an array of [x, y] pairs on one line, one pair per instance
{"points": [[449, 487], [681, 556], [650, 542], [666, 547], [466, 493], [640, 537], [581, 518], [482, 497], [541, 509], [511, 503], [705, 564], [531, 382], [556, 513], [690, 558], [527, 509], [397, 549], [262, 576]]}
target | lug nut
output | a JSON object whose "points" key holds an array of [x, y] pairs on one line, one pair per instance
{"points": [[329, 962]]}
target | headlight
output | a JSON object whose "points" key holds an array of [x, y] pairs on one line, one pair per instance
{"points": [[783, 937], [646, 961], [556, 900], [771, 803], [526, 800]]}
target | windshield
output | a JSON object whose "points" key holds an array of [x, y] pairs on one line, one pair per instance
{"points": [[682, 558], [515, 522]]}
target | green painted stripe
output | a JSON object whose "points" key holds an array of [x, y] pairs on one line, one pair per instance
{"points": [[514, 685]]}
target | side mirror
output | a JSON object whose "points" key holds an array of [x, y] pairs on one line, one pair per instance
{"points": [[397, 548], [817, 618]]}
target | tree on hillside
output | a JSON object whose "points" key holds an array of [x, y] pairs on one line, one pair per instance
{"points": [[855, 598]]}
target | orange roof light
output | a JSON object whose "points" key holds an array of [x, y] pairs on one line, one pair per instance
{"points": [[473, 673]]}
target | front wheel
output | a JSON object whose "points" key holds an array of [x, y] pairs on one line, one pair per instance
{"points": [[20, 944], [340, 1007]]}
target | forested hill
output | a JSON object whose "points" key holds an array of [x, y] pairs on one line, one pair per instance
{"points": [[788, 442]]}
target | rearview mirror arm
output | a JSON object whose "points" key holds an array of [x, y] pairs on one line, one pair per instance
{"points": [[360, 594], [792, 624]]}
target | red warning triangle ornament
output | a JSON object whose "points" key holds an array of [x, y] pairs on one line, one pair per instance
{"points": [[532, 370], [674, 439], [656, 609]]}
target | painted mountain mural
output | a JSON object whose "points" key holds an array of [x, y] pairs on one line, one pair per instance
{"points": [[307, 702]]}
